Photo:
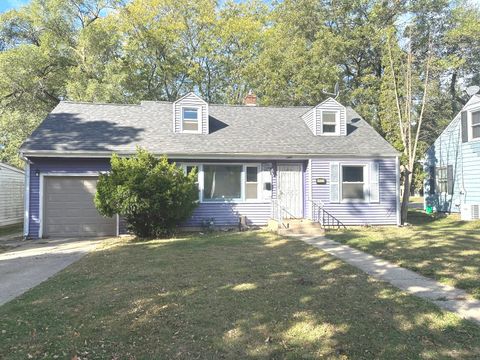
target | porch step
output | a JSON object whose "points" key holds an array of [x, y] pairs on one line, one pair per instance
{"points": [[296, 227]]}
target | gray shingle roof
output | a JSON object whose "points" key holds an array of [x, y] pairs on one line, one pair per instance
{"points": [[236, 130]]}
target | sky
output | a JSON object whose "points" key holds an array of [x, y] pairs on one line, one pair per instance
{"points": [[11, 4], [14, 4]]}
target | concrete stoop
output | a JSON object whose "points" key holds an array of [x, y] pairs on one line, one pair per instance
{"points": [[296, 227]]}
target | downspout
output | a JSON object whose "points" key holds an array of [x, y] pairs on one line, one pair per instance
{"points": [[397, 191], [26, 199], [310, 186]]}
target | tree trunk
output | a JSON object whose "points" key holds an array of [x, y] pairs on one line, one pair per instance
{"points": [[406, 196]]}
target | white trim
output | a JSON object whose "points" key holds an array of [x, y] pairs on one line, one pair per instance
{"points": [[186, 95], [174, 118], [199, 176], [118, 226], [315, 131], [330, 99], [397, 189], [199, 119], [26, 201], [243, 175], [337, 122], [469, 124], [366, 182], [302, 196], [203, 156], [207, 120], [259, 182], [41, 190], [310, 191], [374, 165]]}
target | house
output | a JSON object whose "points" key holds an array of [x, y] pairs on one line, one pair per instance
{"points": [[252, 161], [11, 195], [452, 164]]}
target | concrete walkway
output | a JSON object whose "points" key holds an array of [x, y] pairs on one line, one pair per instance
{"points": [[34, 262], [446, 297]]}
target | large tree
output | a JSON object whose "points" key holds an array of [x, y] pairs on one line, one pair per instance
{"points": [[287, 52]]}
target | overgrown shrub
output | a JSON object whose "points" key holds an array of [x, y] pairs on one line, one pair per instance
{"points": [[152, 194]]}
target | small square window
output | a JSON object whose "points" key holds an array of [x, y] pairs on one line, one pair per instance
{"points": [[190, 121], [353, 183], [251, 184], [252, 174], [329, 122], [442, 179], [476, 125]]}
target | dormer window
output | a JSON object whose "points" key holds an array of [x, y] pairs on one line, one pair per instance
{"points": [[475, 125], [190, 120], [330, 122]]}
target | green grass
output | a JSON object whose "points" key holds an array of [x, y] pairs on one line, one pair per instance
{"points": [[225, 296], [10, 229], [440, 247], [416, 199]]}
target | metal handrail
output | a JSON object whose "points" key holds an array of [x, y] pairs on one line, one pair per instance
{"points": [[279, 211], [330, 221]]}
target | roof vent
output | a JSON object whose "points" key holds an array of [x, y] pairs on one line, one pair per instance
{"points": [[250, 99]]}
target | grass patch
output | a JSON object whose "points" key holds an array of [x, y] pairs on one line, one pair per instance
{"points": [[225, 296], [438, 246], [10, 229], [416, 199]]}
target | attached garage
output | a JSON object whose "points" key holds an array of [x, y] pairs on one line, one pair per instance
{"points": [[69, 211]]}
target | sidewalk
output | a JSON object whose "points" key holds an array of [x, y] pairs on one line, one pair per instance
{"points": [[446, 297]]}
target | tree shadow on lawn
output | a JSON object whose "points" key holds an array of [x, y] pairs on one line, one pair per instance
{"points": [[448, 256], [249, 295]]}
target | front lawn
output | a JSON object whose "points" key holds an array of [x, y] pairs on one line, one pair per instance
{"points": [[225, 296], [437, 246]]}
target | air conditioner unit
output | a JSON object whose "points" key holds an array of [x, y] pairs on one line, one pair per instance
{"points": [[470, 212]]}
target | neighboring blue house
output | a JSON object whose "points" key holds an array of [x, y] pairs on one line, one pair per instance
{"points": [[254, 162], [452, 164]]}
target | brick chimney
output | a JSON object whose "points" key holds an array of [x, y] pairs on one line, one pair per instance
{"points": [[250, 99]]}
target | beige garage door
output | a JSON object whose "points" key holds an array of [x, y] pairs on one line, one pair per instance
{"points": [[69, 209]]}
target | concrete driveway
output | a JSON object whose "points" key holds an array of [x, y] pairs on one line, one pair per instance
{"points": [[34, 262]]}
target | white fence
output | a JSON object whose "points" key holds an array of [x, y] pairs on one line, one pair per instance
{"points": [[11, 195]]}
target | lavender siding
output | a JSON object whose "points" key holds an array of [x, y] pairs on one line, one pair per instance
{"points": [[307, 191], [227, 214], [47, 165], [257, 213], [380, 213]]}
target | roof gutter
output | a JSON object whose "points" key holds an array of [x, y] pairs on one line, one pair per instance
{"points": [[273, 156]]}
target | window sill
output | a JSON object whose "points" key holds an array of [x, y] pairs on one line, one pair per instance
{"points": [[354, 202], [235, 202]]}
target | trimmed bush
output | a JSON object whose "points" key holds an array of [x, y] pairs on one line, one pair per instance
{"points": [[152, 194]]}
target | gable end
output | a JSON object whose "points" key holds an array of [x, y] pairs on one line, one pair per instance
{"points": [[190, 102]]}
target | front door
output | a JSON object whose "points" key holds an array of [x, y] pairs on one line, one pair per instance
{"points": [[290, 189]]}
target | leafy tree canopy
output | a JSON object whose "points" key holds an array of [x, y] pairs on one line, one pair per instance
{"points": [[287, 52]]}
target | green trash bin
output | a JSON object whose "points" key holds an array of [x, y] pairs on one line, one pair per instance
{"points": [[429, 210]]}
